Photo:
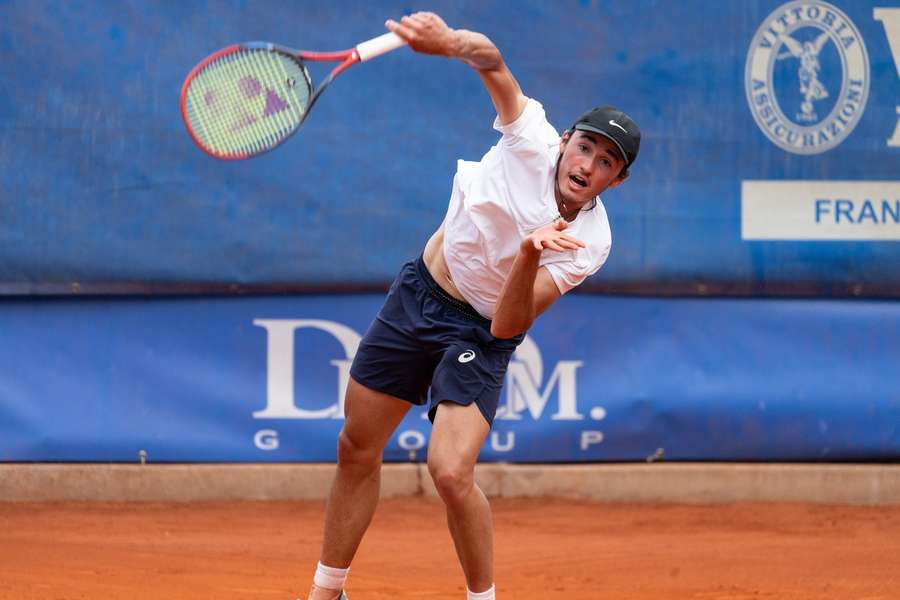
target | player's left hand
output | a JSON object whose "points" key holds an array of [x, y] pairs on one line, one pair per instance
{"points": [[425, 32], [551, 237]]}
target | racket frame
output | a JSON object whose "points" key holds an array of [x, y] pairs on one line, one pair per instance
{"points": [[362, 52]]}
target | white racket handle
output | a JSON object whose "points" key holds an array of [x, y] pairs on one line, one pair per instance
{"points": [[377, 46]]}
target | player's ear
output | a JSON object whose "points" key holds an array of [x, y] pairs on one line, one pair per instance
{"points": [[566, 135]]}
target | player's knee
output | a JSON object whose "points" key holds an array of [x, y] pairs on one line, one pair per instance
{"points": [[353, 452], [453, 480]]}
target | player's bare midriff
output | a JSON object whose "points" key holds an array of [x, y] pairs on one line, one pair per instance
{"points": [[437, 265]]}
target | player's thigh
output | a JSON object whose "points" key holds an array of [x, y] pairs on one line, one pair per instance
{"points": [[457, 436], [370, 418]]}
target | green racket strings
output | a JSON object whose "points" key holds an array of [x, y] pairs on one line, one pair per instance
{"points": [[247, 102]]}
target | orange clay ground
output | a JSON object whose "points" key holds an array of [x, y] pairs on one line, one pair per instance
{"points": [[545, 549]]}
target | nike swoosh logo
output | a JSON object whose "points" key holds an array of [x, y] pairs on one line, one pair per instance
{"points": [[614, 124]]}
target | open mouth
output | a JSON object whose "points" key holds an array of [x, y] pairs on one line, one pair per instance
{"points": [[578, 180]]}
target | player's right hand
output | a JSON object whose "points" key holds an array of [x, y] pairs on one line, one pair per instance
{"points": [[425, 32], [551, 237]]}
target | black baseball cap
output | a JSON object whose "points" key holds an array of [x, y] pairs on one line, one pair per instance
{"points": [[615, 125]]}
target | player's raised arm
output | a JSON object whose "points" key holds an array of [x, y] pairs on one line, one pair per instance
{"points": [[427, 33]]}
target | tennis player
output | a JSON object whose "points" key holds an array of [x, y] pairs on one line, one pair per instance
{"points": [[524, 226]]}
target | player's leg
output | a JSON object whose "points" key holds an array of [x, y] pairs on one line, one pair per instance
{"points": [[456, 439], [389, 359], [371, 418]]}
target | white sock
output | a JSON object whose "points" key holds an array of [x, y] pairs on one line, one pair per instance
{"points": [[485, 595], [330, 578]]}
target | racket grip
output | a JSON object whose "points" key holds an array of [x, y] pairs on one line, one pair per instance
{"points": [[377, 46]]}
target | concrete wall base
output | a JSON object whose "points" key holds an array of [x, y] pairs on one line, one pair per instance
{"points": [[691, 483]]}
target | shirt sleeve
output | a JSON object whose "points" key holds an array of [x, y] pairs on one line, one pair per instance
{"points": [[568, 274], [530, 132]]}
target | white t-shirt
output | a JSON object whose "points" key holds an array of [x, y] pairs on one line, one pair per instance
{"points": [[497, 202]]}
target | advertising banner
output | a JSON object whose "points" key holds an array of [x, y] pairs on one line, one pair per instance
{"points": [[262, 379]]}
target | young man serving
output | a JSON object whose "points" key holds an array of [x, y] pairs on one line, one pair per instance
{"points": [[524, 226]]}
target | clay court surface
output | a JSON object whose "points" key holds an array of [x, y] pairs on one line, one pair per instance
{"points": [[546, 549]]}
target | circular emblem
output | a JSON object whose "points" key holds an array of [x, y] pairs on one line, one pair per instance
{"points": [[467, 356], [807, 76]]}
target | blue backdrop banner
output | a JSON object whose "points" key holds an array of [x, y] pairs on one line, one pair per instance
{"points": [[597, 379], [770, 161]]}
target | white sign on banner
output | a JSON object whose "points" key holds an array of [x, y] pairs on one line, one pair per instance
{"points": [[820, 210]]}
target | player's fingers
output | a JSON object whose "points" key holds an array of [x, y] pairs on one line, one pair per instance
{"points": [[576, 241], [404, 32], [414, 23], [428, 19], [552, 245], [407, 29]]}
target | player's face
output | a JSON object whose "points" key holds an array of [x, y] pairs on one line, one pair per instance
{"points": [[589, 164]]}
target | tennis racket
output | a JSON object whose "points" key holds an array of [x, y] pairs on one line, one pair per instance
{"points": [[247, 99]]}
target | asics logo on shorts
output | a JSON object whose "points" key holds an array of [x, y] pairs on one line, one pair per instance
{"points": [[467, 356]]}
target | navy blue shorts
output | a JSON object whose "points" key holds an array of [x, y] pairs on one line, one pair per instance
{"points": [[424, 338]]}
